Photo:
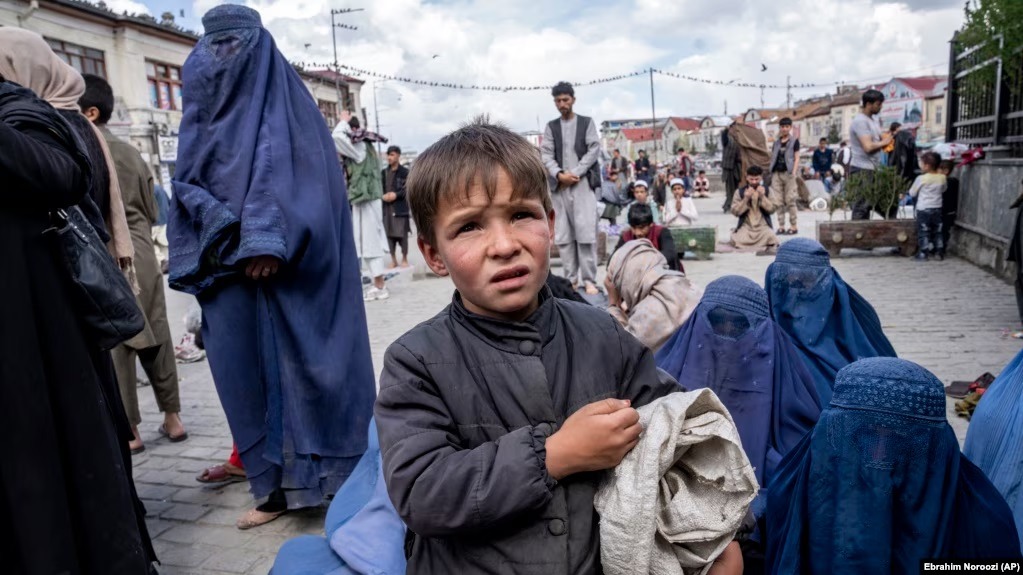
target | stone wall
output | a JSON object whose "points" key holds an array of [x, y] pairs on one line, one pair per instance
{"points": [[984, 223]]}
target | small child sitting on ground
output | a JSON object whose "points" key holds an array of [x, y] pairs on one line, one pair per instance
{"points": [[701, 187]]}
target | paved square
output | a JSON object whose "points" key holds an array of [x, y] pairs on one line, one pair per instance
{"points": [[948, 316]]}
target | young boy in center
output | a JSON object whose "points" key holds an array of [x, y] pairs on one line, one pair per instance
{"points": [[928, 189], [497, 415]]}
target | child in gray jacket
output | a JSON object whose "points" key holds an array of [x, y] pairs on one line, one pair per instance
{"points": [[496, 415]]}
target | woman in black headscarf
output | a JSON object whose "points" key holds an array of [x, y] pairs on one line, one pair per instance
{"points": [[66, 500]]}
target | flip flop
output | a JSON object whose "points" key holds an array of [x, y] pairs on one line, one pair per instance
{"points": [[255, 518], [219, 474], [138, 450], [172, 438]]}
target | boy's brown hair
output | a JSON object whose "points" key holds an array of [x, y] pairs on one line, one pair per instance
{"points": [[450, 167], [947, 165], [931, 159]]}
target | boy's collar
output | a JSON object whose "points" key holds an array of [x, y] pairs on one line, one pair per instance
{"points": [[509, 335]]}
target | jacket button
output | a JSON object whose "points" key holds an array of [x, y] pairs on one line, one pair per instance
{"points": [[556, 526], [527, 347]]}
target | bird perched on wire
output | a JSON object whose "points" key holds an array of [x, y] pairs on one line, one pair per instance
{"points": [[763, 67]]}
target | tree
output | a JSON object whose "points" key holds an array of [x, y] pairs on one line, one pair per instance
{"points": [[712, 146], [993, 28], [834, 134]]}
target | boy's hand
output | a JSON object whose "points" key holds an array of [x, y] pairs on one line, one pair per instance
{"points": [[595, 437]]}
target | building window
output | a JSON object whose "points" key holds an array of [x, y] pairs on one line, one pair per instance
{"points": [[164, 85], [329, 111], [85, 60], [937, 114]]}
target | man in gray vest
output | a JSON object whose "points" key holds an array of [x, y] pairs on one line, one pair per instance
{"points": [[784, 162], [569, 150]]}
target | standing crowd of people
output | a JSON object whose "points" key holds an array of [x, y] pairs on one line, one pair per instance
{"points": [[492, 441]]}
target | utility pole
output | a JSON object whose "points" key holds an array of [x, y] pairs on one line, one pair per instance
{"points": [[788, 92], [333, 36], [376, 114], [653, 114]]}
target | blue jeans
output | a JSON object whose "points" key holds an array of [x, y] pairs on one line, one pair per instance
{"points": [[929, 239]]}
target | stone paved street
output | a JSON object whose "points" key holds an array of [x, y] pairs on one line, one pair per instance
{"points": [[948, 316]]}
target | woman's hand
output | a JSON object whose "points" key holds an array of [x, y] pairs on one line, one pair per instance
{"points": [[261, 267]]}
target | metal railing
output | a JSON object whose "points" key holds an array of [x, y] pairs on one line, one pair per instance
{"points": [[985, 113]]}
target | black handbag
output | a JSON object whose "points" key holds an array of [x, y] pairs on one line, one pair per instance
{"points": [[102, 296]]}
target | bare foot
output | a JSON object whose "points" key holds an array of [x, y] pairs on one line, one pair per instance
{"points": [[404, 263], [136, 445], [172, 424], [392, 265], [255, 518], [591, 289]]}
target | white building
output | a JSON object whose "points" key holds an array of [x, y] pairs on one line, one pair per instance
{"points": [[142, 58]]}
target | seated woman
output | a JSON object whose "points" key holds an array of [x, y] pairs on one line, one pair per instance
{"points": [[831, 324], [643, 227], [680, 210], [995, 438], [648, 299], [365, 535], [753, 205], [880, 484], [732, 346]]}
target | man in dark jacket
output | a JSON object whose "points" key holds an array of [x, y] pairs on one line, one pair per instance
{"points": [[494, 415], [396, 223]]}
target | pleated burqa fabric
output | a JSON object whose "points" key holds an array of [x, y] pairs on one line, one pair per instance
{"points": [[831, 324]]}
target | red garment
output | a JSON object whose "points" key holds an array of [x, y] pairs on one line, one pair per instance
{"points": [[235, 459], [654, 236]]}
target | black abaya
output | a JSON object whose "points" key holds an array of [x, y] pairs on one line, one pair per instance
{"points": [[66, 498]]}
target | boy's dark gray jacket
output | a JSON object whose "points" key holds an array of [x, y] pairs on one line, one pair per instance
{"points": [[465, 406]]}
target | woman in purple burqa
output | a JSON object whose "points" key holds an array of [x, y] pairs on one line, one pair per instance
{"points": [[260, 232]]}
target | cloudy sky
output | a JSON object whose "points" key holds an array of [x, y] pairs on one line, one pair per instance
{"points": [[527, 42]]}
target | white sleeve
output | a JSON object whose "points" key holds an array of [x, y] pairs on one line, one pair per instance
{"points": [[344, 145]]}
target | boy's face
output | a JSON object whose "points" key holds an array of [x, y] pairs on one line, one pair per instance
{"points": [[943, 170], [678, 190], [754, 181], [640, 232], [641, 194], [783, 130], [497, 252]]}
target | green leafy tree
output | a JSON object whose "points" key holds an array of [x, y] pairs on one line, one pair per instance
{"points": [[712, 146], [881, 188], [994, 28], [834, 134]]}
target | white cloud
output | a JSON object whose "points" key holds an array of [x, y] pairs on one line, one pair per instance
{"points": [[129, 6], [539, 43]]}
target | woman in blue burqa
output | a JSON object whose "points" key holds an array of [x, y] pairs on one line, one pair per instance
{"points": [[732, 346], [831, 324], [880, 484], [995, 437], [260, 232]]}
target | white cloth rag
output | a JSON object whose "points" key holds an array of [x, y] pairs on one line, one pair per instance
{"points": [[677, 499]]}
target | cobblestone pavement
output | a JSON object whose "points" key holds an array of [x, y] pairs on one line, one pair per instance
{"points": [[948, 316]]}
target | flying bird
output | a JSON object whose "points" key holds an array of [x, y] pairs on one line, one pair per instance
{"points": [[763, 68], [308, 45], [436, 56]]}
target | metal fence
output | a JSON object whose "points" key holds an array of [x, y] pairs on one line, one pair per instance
{"points": [[985, 113]]}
